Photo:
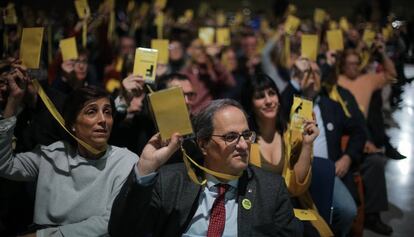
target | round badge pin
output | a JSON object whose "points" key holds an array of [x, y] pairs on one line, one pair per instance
{"points": [[330, 126], [247, 204]]}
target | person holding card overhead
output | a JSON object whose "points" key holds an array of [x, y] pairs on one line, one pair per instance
{"points": [[261, 99], [208, 77], [163, 201], [333, 124], [77, 180], [75, 72]]}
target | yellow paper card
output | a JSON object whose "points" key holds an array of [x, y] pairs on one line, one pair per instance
{"points": [[221, 19], [223, 36], [368, 37], [188, 15], [130, 6], [292, 23], [68, 48], [255, 155], [335, 40], [170, 112], [10, 17], [387, 32], [309, 47], [305, 215], [286, 51], [159, 22], [333, 25], [301, 110], [206, 34], [291, 10], [319, 15], [82, 8], [343, 24], [160, 3], [162, 47], [143, 9], [145, 63], [31, 46]]}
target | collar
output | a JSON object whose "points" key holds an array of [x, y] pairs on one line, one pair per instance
{"points": [[212, 181], [295, 84]]}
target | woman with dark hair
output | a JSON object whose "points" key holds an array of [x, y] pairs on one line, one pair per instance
{"points": [[75, 185], [261, 100]]}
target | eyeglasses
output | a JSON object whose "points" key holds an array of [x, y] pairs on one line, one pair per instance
{"points": [[232, 138]]}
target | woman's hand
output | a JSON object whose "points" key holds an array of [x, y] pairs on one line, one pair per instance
{"points": [[155, 153], [310, 132]]}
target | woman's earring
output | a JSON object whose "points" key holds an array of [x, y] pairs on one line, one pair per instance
{"points": [[73, 129]]}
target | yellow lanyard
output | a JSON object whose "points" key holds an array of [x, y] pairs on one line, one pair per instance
{"points": [[187, 159], [52, 109]]}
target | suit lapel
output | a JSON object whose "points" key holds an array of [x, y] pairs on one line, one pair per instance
{"points": [[189, 203], [246, 191]]}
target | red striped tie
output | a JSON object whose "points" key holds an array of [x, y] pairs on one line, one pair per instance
{"points": [[218, 213]]}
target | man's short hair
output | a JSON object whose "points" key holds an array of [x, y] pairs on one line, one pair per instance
{"points": [[163, 81], [203, 122]]}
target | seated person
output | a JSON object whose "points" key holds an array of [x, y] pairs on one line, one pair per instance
{"points": [[75, 186], [333, 124], [261, 99], [163, 201]]}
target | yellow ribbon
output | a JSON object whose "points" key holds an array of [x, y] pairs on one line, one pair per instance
{"points": [[335, 96], [84, 33], [52, 109], [187, 159]]}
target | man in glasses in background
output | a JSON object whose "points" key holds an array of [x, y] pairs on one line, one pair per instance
{"points": [[179, 80], [163, 201]]}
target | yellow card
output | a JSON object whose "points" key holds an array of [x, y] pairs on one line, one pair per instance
{"points": [[343, 24], [159, 22], [221, 19], [223, 36], [368, 37], [130, 6], [291, 10], [31, 46], [387, 32], [162, 47], [319, 15], [292, 23], [310, 47], [206, 34], [10, 17], [170, 112], [110, 4], [143, 9], [145, 63], [255, 155], [333, 25], [68, 48], [188, 15], [160, 3], [82, 8], [286, 51], [301, 110], [335, 40], [305, 215]]}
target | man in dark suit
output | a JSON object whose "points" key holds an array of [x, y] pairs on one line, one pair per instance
{"points": [[333, 124], [163, 201]]}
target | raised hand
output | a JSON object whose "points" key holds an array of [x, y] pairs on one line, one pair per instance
{"points": [[155, 153]]}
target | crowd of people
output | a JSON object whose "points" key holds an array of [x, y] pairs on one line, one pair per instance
{"points": [[106, 170]]}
